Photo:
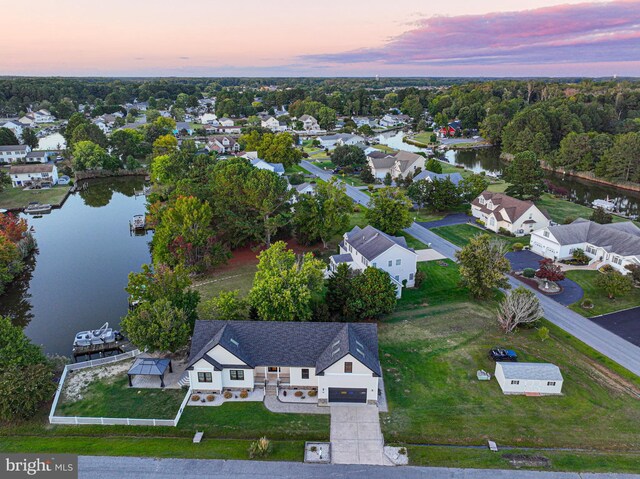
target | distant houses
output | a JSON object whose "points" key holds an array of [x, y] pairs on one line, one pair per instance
{"points": [[427, 175], [390, 121], [274, 124], [615, 244], [42, 176], [398, 164], [223, 145], [309, 123], [362, 248], [14, 153], [498, 211], [339, 139]]}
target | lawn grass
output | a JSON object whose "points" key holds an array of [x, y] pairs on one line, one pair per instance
{"points": [[461, 234], [413, 242], [239, 278], [559, 210], [499, 186], [568, 461], [430, 354], [601, 303], [250, 420], [385, 148], [291, 169], [113, 397], [14, 198], [423, 137], [328, 164], [209, 448]]}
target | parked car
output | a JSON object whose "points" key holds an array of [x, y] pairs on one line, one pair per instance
{"points": [[499, 354]]}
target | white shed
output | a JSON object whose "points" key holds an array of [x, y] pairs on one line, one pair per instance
{"points": [[529, 378]]}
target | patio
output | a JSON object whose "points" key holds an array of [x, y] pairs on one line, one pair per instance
{"points": [[171, 378]]}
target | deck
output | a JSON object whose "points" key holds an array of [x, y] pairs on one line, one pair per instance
{"points": [[101, 350]]}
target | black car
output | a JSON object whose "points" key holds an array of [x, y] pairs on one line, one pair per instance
{"points": [[499, 354]]}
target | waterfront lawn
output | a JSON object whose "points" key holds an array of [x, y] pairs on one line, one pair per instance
{"points": [[430, 355], [385, 148], [14, 198], [461, 234], [424, 137], [601, 303], [499, 186], [559, 209], [112, 397], [239, 278]]}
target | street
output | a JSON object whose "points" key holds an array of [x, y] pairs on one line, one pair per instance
{"points": [[354, 193]]}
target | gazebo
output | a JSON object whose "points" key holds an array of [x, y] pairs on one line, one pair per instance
{"points": [[150, 367]]}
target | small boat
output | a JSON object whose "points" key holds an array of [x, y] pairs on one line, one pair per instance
{"points": [[36, 208], [97, 336], [604, 204], [138, 223]]}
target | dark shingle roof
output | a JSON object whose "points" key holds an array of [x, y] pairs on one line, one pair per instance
{"points": [[370, 242], [619, 238], [455, 178], [280, 343]]}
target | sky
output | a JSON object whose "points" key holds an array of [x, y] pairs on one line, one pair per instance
{"points": [[321, 38]]}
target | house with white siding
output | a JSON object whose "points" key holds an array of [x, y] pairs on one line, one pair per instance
{"points": [[531, 379], [338, 360], [33, 175], [367, 247], [13, 153], [15, 126], [309, 123], [615, 244], [497, 210], [398, 164], [273, 124]]}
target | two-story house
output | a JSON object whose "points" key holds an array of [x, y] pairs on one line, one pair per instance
{"points": [[273, 124], [497, 210], [362, 248], [309, 123], [13, 153], [339, 360], [33, 175], [223, 145], [16, 127], [615, 244], [398, 165]]}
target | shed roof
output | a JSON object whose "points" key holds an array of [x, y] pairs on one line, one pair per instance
{"points": [[524, 371]]}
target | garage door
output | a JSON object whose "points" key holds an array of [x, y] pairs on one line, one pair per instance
{"points": [[347, 395]]}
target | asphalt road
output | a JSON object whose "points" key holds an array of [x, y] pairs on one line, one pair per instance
{"points": [[148, 468], [354, 193], [623, 323], [605, 342]]}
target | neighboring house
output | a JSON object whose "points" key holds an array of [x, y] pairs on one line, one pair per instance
{"points": [[302, 189], [497, 210], [340, 360], [451, 129], [615, 244], [389, 121], [209, 119], [398, 165], [339, 139], [532, 379], [28, 120], [366, 149], [364, 120], [33, 175], [183, 125], [223, 145], [273, 124], [230, 130], [43, 116], [37, 157], [224, 121], [309, 123], [13, 153], [16, 127], [369, 247], [455, 178], [277, 168]]}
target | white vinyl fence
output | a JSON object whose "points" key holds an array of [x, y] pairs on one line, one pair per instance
{"points": [[108, 421]]}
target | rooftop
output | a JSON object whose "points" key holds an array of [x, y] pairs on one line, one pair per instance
{"points": [[370, 242], [540, 371]]}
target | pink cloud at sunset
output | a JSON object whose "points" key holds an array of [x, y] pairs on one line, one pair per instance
{"points": [[588, 33]]}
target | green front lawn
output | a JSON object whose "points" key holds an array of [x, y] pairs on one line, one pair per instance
{"points": [[12, 198], [113, 397], [460, 235], [229, 279], [601, 303], [559, 210], [289, 170], [430, 352], [413, 242]]}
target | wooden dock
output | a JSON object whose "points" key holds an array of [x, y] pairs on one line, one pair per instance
{"points": [[101, 350]]}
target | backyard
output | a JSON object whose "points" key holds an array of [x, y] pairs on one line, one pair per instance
{"points": [[14, 198], [431, 347], [601, 303], [461, 234]]}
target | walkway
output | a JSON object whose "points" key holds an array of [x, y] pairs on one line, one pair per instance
{"points": [[605, 342], [354, 193], [428, 255], [356, 437], [97, 467], [272, 403]]}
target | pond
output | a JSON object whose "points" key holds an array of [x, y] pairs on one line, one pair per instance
{"points": [[488, 160], [54, 141], [77, 278]]}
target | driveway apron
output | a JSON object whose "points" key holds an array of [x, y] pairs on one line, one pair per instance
{"points": [[355, 435]]}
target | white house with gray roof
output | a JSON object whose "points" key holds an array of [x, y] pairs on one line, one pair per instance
{"points": [[427, 175], [362, 248], [13, 153], [339, 360], [615, 244], [531, 379]]}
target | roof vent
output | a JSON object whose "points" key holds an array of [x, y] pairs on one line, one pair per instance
{"points": [[360, 351], [336, 343], [359, 343], [236, 343], [335, 352]]}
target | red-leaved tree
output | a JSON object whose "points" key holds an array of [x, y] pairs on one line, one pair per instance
{"points": [[549, 271]]}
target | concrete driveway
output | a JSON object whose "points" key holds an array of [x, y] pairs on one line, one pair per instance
{"points": [[355, 435], [452, 219]]}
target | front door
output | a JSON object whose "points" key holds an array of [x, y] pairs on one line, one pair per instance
{"points": [[272, 373]]}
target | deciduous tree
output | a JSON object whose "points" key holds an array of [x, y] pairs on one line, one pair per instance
{"points": [[157, 326], [614, 284], [519, 307], [389, 210], [483, 265]]}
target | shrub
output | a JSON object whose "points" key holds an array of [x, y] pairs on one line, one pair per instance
{"points": [[419, 278], [529, 272], [480, 222], [260, 448], [543, 333], [211, 397], [195, 397], [244, 394], [568, 220], [313, 393], [296, 179], [298, 394], [587, 303], [579, 256], [227, 395], [403, 451], [504, 232], [313, 448], [607, 268], [517, 246]]}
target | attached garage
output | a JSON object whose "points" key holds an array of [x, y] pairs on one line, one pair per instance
{"points": [[348, 395]]}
